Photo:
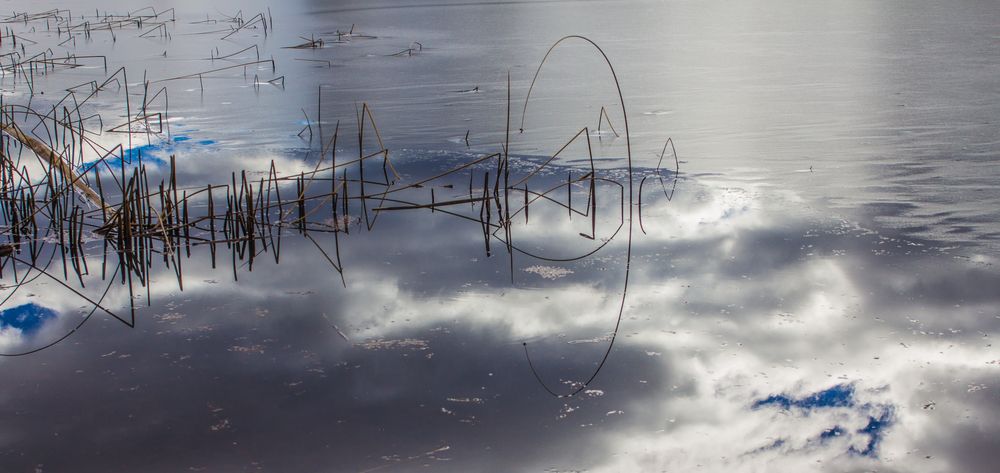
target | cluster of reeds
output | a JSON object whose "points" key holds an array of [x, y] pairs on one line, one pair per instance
{"points": [[80, 205], [138, 222]]}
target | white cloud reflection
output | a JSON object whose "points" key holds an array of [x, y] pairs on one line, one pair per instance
{"points": [[730, 303]]}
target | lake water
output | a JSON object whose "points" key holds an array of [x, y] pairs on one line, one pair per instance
{"points": [[810, 286]]}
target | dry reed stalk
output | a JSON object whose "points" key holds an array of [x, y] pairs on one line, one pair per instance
{"points": [[56, 161]]}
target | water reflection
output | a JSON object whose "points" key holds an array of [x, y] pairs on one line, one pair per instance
{"points": [[788, 351], [784, 332], [761, 330]]}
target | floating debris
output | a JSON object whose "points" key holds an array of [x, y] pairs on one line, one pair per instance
{"points": [[401, 344], [549, 272]]}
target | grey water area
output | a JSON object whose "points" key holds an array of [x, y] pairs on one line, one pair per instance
{"points": [[816, 289]]}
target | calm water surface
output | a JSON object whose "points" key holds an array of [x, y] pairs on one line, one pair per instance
{"points": [[816, 290]]}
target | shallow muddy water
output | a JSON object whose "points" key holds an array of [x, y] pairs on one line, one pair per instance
{"points": [[395, 274]]}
